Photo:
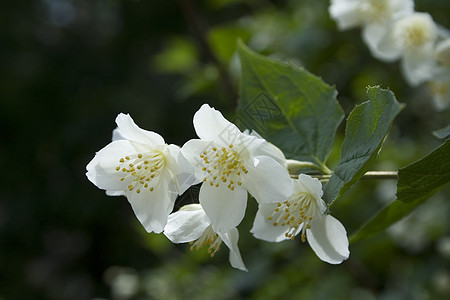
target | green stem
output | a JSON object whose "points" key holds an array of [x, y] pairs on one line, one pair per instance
{"points": [[295, 166], [368, 175]]}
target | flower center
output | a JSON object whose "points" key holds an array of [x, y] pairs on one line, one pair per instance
{"points": [[374, 10], [141, 171], [222, 166], [416, 32], [439, 88], [208, 238], [297, 212]]}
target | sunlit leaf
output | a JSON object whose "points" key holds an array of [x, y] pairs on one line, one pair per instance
{"points": [[288, 106], [366, 129]]}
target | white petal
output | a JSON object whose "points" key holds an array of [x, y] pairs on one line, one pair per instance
{"points": [[328, 238], [115, 193], [418, 67], [263, 229], [187, 224], [401, 7], [345, 13], [101, 169], [312, 186], [373, 33], [387, 49], [267, 180], [191, 150], [442, 52], [268, 149], [210, 125], [306, 183], [231, 239], [152, 208], [183, 170], [225, 208], [116, 135], [127, 129]]}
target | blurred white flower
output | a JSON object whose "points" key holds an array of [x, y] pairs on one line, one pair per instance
{"points": [[140, 165], [442, 52], [190, 224], [411, 38], [230, 163], [304, 213], [439, 87], [374, 16]]}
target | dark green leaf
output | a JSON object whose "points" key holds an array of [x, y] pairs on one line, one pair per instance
{"points": [[417, 182], [288, 106], [424, 177], [366, 129]]}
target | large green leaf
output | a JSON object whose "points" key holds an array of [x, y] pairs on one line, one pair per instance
{"points": [[288, 106], [366, 129], [416, 183], [423, 178]]}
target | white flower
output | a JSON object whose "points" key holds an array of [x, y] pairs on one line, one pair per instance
{"points": [[304, 213], [141, 166], [191, 224], [442, 52], [411, 38], [439, 88], [374, 16], [230, 163]]}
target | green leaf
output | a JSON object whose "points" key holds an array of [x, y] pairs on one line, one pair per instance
{"points": [[425, 177], [443, 133], [288, 106], [416, 183], [366, 129]]}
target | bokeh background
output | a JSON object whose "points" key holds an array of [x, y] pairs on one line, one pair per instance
{"points": [[68, 67]]}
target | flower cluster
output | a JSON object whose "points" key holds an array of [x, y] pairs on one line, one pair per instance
{"points": [[394, 31], [229, 164]]}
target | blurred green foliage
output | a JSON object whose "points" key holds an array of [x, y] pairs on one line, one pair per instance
{"points": [[67, 67]]}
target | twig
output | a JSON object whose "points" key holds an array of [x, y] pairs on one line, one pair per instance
{"points": [[368, 175]]}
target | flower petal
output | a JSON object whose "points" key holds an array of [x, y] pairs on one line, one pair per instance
{"points": [[115, 193], [191, 150], [265, 230], [328, 238], [345, 13], [127, 129], [373, 33], [187, 224], [267, 180], [225, 208], [210, 125], [231, 239], [306, 183], [263, 147], [152, 208], [417, 67], [388, 48], [182, 169], [101, 169], [116, 135]]}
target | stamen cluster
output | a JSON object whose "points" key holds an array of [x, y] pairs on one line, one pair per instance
{"points": [[222, 166], [297, 213], [210, 239], [141, 169]]}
